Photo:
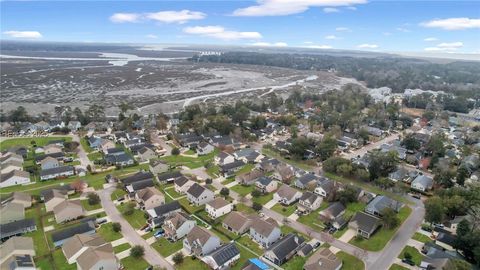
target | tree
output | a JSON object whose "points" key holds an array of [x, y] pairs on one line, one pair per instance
{"points": [[224, 192], [381, 164], [137, 251], [344, 169], [347, 195], [326, 148], [434, 211], [116, 227], [256, 206], [364, 135], [462, 174], [178, 258], [256, 193], [129, 208], [175, 151], [93, 198], [407, 255], [411, 143], [77, 185], [208, 181], [389, 218]]}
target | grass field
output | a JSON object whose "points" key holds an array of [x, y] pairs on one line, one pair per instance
{"points": [[85, 145], [190, 162], [295, 263], [167, 248], [249, 243], [95, 156], [421, 237], [190, 263], [263, 199], [90, 207], [61, 262], [397, 267], [26, 141], [121, 247], [284, 210], [190, 208], [417, 257], [244, 208], [299, 164], [137, 219], [107, 232], [350, 262], [244, 256], [242, 190], [131, 263]]}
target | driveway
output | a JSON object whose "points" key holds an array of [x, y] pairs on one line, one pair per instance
{"points": [[157, 140], [129, 233], [82, 155], [371, 146]]}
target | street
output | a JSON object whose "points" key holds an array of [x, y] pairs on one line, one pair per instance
{"points": [[82, 154], [362, 151]]}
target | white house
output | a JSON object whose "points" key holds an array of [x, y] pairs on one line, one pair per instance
{"points": [[422, 183], [199, 195], [13, 178], [204, 148], [287, 195], [218, 207]]}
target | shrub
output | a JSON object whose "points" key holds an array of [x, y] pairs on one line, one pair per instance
{"points": [[116, 227], [178, 258], [137, 251], [93, 198]]}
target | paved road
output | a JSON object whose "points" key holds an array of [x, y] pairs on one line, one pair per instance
{"points": [[156, 139], [129, 233], [362, 151], [82, 154]]}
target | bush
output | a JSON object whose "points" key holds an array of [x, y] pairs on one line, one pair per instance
{"points": [[137, 251], [178, 258], [93, 198], [175, 151], [224, 192], [407, 255], [116, 227], [256, 206], [208, 181], [128, 209], [256, 193]]}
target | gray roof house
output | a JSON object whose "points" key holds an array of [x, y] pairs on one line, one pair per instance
{"points": [[223, 257], [59, 237], [422, 183], [364, 224], [17, 228], [284, 249], [200, 241], [379, 203], [264, 232], [199, 195], [307, 180]]}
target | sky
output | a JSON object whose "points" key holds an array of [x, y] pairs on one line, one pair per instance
{"points": [[386, 26]]}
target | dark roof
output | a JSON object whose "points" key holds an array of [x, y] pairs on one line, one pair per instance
{"points": [[69, 232], [309, 197], [169, 175], [115, 150], [167, 208], [47, 194], [286, 245], [306, 249], [12, 227], [335, 209], [118, 158], [142, 184], [56, 170], [307, 178], [181, 181], [366, 222], [264, 181], [22, 261], [233, 165], [53, 155], [139, 176], [445, 236], [224, 253], [196, 190]]}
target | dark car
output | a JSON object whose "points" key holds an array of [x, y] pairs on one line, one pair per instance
{"points": [[409, 262]]}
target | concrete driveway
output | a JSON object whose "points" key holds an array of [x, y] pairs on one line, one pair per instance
{"points": [[82, 154], [129, 233]]}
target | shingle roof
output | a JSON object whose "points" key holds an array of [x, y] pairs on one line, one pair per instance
{"points": [[218, 203], [169, 175], [236, 220], [8, 228], [263, 227], [139, 176], [6, 176], [366, 222], [224, 253], [286, 245], [166, 208], [323, 259], [69, 232], [196, 190], [199, 234], [56, 170]]}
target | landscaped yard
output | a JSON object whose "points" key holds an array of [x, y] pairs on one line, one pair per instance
{"points": [[40, 244], [121, 247], [190, 208], [107, 232], [136, 219], [228, 180], [313, 219], [417, 257], [94, 156], [284, 210], [249, 243], [263, 199], [118, 193], [171, 191], [295, 263], [397, 267], [90, 207], [421, 237], [247, 168], [131, 263], [242, 190], [167, 248], [352, 208], [190, 162], [189, 263], [61, 262], [26, 141], [240, 207], [244, 256], [350, 262], [382, 236]]}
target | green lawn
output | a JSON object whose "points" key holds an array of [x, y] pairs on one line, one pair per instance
{"points": [[228, 180], [240, 207], [354, 207], [118, 193], [312, 220], [225, 232], [350, 262], [247, 168], [397, 267], [213, 171], [285, 229], [94, 156], [89, 207], [382, 236], [190, 208], [242, 190], [148, 235], [167, 248], [131, 263], [339, 233], [295, 263], [137, 219], [299, 164], [189, 152], [173, 193], [40, 243], [189, 263], [249, 243], [45, 263], [417, 257], [284, 210], [61, 262], [85, 145], [263, 199], [190, 162], [244, 256], [121, 247], [421, 237], [107, 232], [26, 141]]}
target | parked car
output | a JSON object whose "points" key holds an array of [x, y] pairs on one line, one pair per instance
{"points": [[147, 229], [409, 262], [120, 199], [101, 220], [316, 244], [332, 230], [159, 233]]}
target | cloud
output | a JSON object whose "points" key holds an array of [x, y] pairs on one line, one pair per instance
{"points": [[308, 42], [168, 16], [268, 44], [23, 34], [453, 23], [323, 47], [182, 16], [219, 32], [288, 7], [401, 29], [445, 47], [387, 33], [151, 36], [352, 8], [331, 37], [367, 46], [430, 39], [330, 10], [125, 17], [342, 29]]}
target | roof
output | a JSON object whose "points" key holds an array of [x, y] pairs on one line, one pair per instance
{"points": [[68, 205], [198, 234], [236, 220], [306, 249], [263, 227], [16, 243], [365, 222], [323, 259], [93, 255], [180, 181], [49, 194], [169, 175], [381, 202], [6, 176], [56, 170], [326, 184], [54, 155], [223, 155], [218, 203], [232, 165], [286, 245], [286, 191], [423, 180], [139, 176], [19, 261], [21, 196], [164, 209], [8, 228], [196, 190], [148, 192], [264, 181], [178, 219], [78, 241], [334, 209], [71, 231], [224, 253], [140, 185], [307, 178]]}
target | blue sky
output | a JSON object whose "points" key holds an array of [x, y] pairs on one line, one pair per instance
{"points": [[417, 26]]}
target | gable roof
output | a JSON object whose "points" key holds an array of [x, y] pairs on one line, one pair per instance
{"points": [[224, 253], [18, 173], [169, 175], [263, 227], [309, 197], [8, 228], [334, 209], [381, 202], [365, 222], [164, 209], [56, 170], [323, 259], [178, 219], [199, 234], [286, 245], [287, 192], [236, 220], [16, 243], [148, 192], [139, 176], [218, 203], [71, 231], [196, 190]]}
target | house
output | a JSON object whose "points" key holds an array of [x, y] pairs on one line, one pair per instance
{"points": [[74, 125], [18, 197], [14, 246], [374, 131], [230, 169], [58, 172], [54, 197], [149, 198], [422, 183], [158, 167], [255, 264], [323, 259], [248, 155], [9, 156], [17, 228], [284, 173], [11, 165], [237, 222], [200, 241], [137, 177], [168, 177], [223, 158], [68, 210], [199, 195], [284, 249], [158, 214], [218, 207], [364, 224], [333, 215], [58, 156], [182, 184], [13, 178], [379, 203], [268, 165], [249, 178], [287, 195], [146, 154], [305, 250], [90, 253], [60, 237], [326, 188], [105, 145], [401, 174], [308, 180], [309, 202], [11, 212], [119, 159], [204, 148], [177, 226], [134, 187], [223, 257], [52, 149], [264, 232], [95, 142], [189, 140], [444, 238], [19, 262], [134, 142], [266, 184], [49, 163]]}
